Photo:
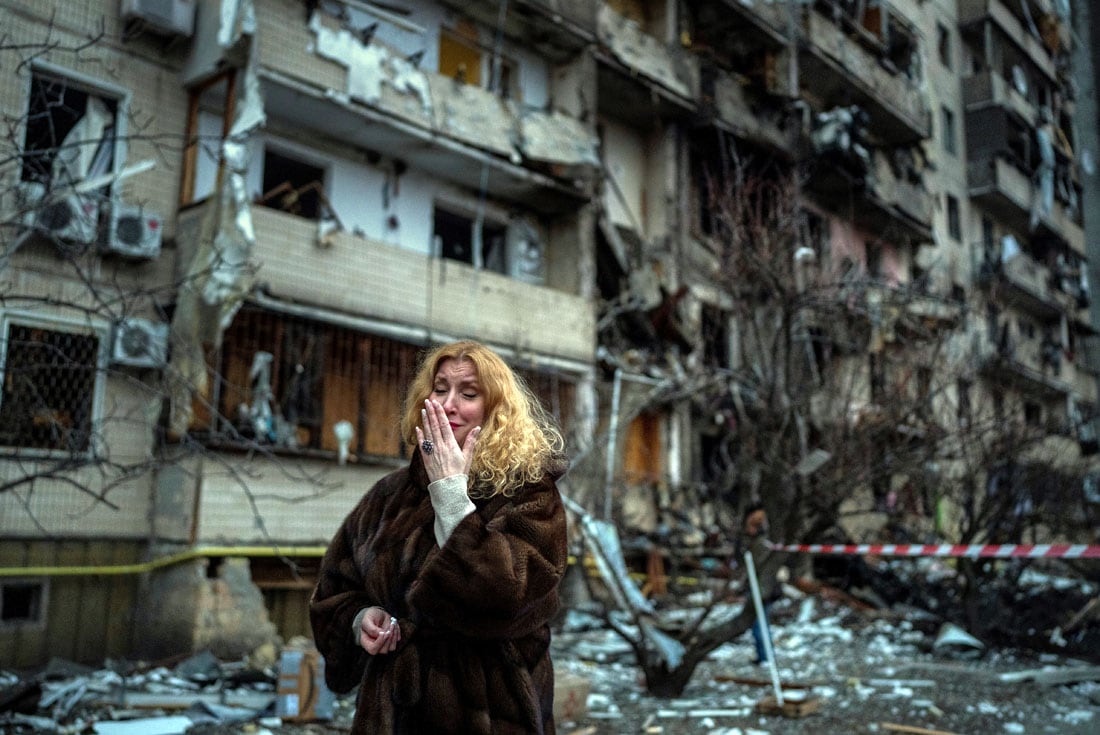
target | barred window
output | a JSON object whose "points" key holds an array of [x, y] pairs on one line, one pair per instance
{"points": [[48, 392], [320, 374]]}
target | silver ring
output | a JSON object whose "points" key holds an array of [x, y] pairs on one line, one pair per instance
{"points": [[427, 446]]}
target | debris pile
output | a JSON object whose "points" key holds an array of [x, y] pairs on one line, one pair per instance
{"points": [[199, 693]]}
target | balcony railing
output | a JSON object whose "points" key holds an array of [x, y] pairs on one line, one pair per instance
{"points": [[837, 66]]}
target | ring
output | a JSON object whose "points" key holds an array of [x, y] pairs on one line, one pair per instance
{"points": [[427, 446]]}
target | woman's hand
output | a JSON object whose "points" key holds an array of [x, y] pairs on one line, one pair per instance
{"points": [[379, 632], [446, 458]]}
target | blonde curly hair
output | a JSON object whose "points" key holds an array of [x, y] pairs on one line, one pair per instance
{"points": [[519, 442]]}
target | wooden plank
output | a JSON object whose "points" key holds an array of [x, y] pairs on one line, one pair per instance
{"points": [[894, 727], [800, 707]]}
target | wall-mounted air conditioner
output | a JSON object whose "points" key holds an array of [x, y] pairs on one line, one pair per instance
{"points": [[526, 259], [170, 17], [139, 342], [69, 218], [132, 231]]}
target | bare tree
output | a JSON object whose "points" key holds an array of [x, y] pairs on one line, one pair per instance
{"points": [[847, 397]]}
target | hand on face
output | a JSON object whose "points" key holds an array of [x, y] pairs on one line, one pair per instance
{"points": [[446, 457], [451, 420]]}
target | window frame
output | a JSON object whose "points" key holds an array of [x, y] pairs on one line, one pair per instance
{"points": [[38, 622], [89, 85], [58, 323], [492, 219]]}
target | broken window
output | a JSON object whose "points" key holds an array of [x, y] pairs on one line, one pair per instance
{"points": [[292, 185], [49, 385], [456, 237], [1033, 413], [21, 602], [71, 132]]}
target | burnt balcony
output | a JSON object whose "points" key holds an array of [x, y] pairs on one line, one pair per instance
{"points": [[838, 69]]}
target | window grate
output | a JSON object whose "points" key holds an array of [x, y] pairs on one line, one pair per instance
{"points": [[49, 381], [322, 374]]}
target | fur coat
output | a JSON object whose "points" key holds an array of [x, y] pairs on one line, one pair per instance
{"points": [[474, 652]]}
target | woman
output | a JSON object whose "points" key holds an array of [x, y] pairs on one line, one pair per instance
{"points": [[436, 592]]}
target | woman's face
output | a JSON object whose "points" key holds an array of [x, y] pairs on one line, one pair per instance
{"points": [[457, 390]]}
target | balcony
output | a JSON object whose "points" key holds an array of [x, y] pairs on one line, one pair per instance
{"points": [[555, 29], [974, 14], [990, 89], [889, 202], [1025, 283], [1020, 364], [1010, 195], [322, 79], [730, 106], [391, 285], [640, 76], [840, 71]]}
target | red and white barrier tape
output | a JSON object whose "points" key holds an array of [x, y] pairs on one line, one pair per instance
{"points": [[996, 551]]}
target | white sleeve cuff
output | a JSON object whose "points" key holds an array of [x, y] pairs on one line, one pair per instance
{"points": [[355, 625], [451, 504]]}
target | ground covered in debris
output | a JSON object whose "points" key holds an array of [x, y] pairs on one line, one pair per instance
{"points": [[858, 672]]}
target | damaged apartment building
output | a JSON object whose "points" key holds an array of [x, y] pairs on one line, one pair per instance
{"points": [[231, 227]]}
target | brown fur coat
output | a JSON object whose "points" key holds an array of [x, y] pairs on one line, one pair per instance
{"points": [[474, 652]]}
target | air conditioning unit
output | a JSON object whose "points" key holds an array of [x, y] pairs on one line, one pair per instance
{"points": [[169, 17], [140, 342], [525, 253], [132, 232], [69, 218]]}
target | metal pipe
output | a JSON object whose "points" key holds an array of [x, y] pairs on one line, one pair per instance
{"points": [[612, 442], [765, 630]]}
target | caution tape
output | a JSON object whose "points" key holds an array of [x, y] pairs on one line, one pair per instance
{"points": [[994, 551]]}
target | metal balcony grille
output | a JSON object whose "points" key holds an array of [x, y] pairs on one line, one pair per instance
{"points": [[49, 379]]}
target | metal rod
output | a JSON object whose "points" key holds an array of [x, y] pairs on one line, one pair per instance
{"points": [[765, 630]]}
